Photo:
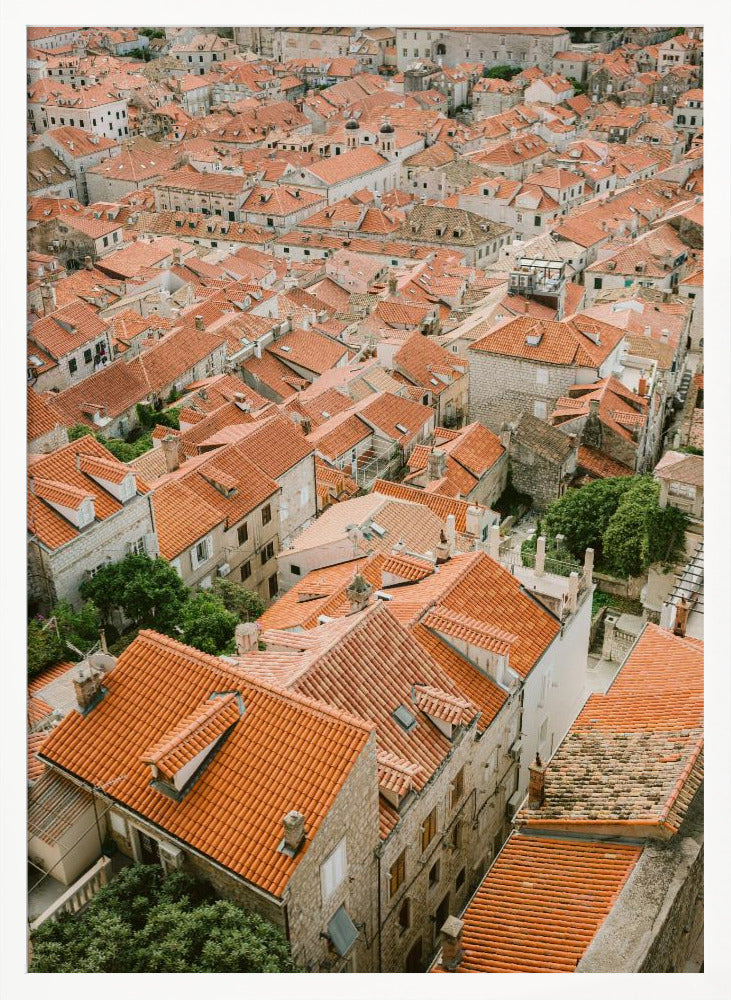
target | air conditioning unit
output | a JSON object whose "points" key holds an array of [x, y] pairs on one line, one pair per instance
{"points": [[515, 749], [171, 857], [223, 570], [513, 803]]}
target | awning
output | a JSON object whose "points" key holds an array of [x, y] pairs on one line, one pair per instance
{"points": [[342, 931]]}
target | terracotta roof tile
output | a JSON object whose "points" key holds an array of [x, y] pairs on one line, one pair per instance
{"points": [[542, 903], [633, 758], [286, 752]]}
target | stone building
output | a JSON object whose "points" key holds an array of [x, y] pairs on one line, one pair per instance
{"points": [[526, 364], [298, 860], [490, 46], [625, 853], [232, 528], [542, 459], [85, 509]]}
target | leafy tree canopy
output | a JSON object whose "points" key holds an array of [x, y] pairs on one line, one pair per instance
{"points": [[502, 72], [148, 591], [207, 624], [245, 604], [620, 518], [143, 921]]}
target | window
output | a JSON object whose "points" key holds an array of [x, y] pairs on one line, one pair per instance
{"points": [[267, 553], [457, 787], [457, 831], [518, 217], [243, 533], [246, 571], [459, 881], [266, 514], [597, 282], [543, 732], [539, 409], [201, 551], [105, 241], [295, 570], [429, 829], [137, 548], [434, 875], [87, 356], [537, 220], [273, 585], [397, 875], [404, 915], [541, 376], [333, 869], [72, 365]]}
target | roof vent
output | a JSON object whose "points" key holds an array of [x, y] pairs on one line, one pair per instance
{"points": [[534, 339]]}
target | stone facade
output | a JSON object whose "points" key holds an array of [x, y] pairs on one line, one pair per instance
{"points": [[56, 575], [543, 479], [490, 46], [503, 388], [302, 912], [298, 500]]}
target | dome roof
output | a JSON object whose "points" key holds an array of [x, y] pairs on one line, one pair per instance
{"points": [[387, 127], [352, 123]]}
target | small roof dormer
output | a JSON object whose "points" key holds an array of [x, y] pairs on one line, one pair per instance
{"points": [[178, 758]]}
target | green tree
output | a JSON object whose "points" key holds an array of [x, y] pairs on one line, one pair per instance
{"points": [[45, 647], [582, 515], [640, 532], [579, 87], [245, 604], [501, 72], [207, 624], [79, 628], [143, 921], [125, 451], [148, 591]]}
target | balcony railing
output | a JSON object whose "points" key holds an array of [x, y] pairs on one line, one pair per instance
{"points": [[79, 894]]}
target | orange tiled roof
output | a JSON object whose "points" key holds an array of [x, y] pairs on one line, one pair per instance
{"points": [[633, 759], [568, 343], [42, 416], [57, 479], [542, 903], [286, 752], [441, 504], [601, 465]]}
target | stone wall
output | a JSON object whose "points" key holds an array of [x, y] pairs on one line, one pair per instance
{"points": [[503, 388]]}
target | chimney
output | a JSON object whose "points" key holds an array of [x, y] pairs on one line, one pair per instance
{"points": [[246, 637], [442, 549], [87, 687], [176, 257], [642, 387], [452, 533], [392, 285], [436, 466], [294, 832], [306, 323], [505, 435], [358, 592], [589, 566], [573, 592], [473, 519], [199, 322], [493, 542], [48, 297], [171, 451], [593, 407], [240, 399], [540, 556], [664, 336], [536, 783], [451, 933], [88, 264]]}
